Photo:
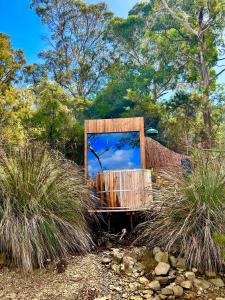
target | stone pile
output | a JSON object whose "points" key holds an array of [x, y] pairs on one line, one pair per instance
{"points": [[156, 275]]}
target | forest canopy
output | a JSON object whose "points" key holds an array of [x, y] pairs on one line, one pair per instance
{"points": [[164, 62]]}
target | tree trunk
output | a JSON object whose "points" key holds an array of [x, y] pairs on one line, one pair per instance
{"points": [[205, 85]]}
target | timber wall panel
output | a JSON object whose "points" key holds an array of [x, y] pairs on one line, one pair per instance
{"points": [[115, 125]]}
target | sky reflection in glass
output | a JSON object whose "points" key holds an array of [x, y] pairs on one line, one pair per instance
{"points": [[113, 151]]}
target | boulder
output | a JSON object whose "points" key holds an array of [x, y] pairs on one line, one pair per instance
{"points": [[210, 274], [190, 275], [218, 282], [162, 257], [115, 268], [128, 265], [154, 285], [117, 255], [167, 291], [173, 261], [201, 284], [164, 280], [186, 284], [156, 250], [106, 260], [143, 280], [162, 268], [178, 291]]}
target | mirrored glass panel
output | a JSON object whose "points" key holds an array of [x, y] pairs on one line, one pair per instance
{"points": [[113, 151]]}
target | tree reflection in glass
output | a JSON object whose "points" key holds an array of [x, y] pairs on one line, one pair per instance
{"points": [[113, 151]]}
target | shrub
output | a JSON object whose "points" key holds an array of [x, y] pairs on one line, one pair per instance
{"points": [[189, 212], [43, 201]]}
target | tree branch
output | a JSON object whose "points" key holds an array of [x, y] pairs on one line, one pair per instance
{"points": [[218, 74], [182, 21]]}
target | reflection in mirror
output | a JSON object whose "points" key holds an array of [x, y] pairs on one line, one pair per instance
{"points": [[113, 151]]}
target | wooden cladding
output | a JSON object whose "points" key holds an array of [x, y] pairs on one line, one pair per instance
{"points": [[124, 190], [115, 125]]}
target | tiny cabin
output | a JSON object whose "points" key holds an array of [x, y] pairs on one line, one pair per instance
{"points": [[118, 163], [115, 164]]}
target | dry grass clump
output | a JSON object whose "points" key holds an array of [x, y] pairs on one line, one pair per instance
{"points": [[189, 212], [43, 202]]}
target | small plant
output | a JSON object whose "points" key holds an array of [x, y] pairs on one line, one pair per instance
{"points": [[189, 213], [43, 202]]}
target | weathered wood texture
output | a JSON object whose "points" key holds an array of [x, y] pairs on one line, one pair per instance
{"points": [[160, 157], [124, 190], [115, 125]]}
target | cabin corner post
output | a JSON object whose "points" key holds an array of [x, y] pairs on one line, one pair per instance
{"points": [[86, 149], [142, 143]]}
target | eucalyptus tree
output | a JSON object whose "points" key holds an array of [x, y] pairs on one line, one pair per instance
{"points": [[193, 31], [79, 54], [153, 74], [11, 63]]}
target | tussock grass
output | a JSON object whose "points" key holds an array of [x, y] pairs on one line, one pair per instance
{"points": [[189, 212], [43, 202]]}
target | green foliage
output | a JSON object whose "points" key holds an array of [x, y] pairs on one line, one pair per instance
{"points": [[190, 35], [79, 55], [54, 120], [43, 201], [15, 112], [11, 62], [189, 211]]}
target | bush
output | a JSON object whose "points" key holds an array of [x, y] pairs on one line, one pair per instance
{"points": [[189, 213], [43, 201]]}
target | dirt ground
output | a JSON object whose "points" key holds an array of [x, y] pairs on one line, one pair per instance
{"points": [[85, 278]]}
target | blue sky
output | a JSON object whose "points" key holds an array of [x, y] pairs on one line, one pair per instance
{"points": [[115, 151], [26, 30]]}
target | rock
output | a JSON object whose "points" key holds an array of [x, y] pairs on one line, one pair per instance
{"points": [[190, 275], [173, 261], [125, 296], [117, 255], [187, 284], [220, 298], [201, 284], [139, 269], [162, 268], [128, 265], [154, 285], [137, 252], [161, 296], [136, 298], [194, 270], [156, 298], [106, 260], [11, 296], [143, 280], [148, 293], [178, 290], [115, 288], [156, 250], [162, 257], [180, 263], [133, 286], [210, 274], [218, 282], [115, 268], [164, 280], [103, 298], [167, 291], [2, 259]]}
